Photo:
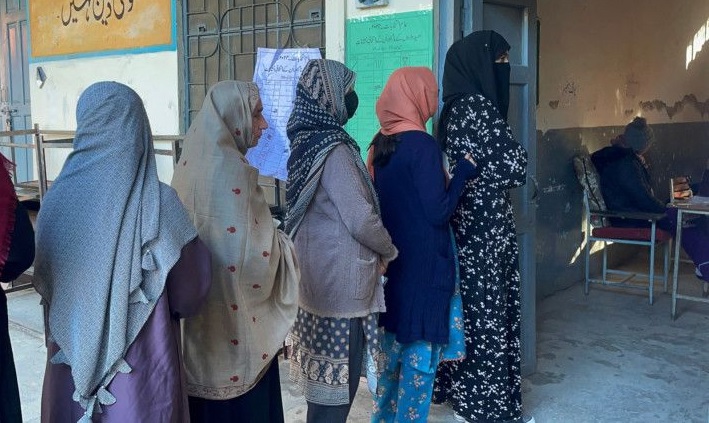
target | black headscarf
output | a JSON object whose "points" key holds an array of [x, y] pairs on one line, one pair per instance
{"points": [[470, 68]]}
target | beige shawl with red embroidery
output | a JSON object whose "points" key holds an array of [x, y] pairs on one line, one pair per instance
{"points": [[254, 296]]}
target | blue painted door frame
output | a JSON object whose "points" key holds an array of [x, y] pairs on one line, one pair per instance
{"points": [[14, 83]]}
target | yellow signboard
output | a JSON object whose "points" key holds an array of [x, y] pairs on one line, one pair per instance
{"points": [[71, 27]]}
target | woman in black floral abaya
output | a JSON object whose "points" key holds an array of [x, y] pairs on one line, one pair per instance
{"points": [[485, 386]]}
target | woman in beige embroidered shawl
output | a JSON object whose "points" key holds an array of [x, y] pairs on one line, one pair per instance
{"points": [[230, 348]]}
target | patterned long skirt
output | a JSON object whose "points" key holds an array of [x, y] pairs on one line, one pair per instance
{"points": [[319, 361]]}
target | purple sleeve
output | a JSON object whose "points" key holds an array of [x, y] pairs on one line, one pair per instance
{"points": [[189, 280]]}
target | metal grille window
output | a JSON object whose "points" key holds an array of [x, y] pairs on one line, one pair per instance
{"points": [[222, 37]]}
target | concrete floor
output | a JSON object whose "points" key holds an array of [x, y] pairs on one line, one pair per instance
{"points": [[606, 357]]}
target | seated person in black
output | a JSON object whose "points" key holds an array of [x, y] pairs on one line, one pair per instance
{"points": [[625, 184], [625, 181]]}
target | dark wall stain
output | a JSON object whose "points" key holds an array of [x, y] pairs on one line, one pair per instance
{"points": [[680, 149], [629, 112], [631, 86], [570, 89], [559, 220], [688, 100], [554, 104]]}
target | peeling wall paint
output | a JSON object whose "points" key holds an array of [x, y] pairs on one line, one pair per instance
{"points": [[553, 188], [688, 100], [597, 70]]}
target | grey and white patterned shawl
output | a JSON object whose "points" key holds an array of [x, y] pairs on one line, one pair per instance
{"points": [[108, 233], [314, 130]]}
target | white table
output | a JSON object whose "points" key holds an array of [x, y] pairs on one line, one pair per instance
{"points": [[684, 208]]}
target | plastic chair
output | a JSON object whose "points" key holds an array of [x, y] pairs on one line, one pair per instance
{"points": [[598, 229]]}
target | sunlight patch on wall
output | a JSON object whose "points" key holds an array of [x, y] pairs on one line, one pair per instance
{"points": [[595, 247], [700, 38]]}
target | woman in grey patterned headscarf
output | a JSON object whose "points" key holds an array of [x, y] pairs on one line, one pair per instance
{"points": [[340, 241], [118, 263]]}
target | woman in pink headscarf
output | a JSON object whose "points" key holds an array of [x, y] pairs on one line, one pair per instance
{"points": [[417, 202]]}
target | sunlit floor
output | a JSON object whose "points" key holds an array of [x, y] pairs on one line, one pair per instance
{"points": [[605, 357]]}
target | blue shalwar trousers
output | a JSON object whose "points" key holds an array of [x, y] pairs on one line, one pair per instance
{"points": [[405, 384]]}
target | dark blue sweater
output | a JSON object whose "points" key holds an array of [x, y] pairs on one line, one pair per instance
{"points": [[416, 208]]}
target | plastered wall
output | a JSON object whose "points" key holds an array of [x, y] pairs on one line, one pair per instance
{"points": [[602, 62], [136, 46], [154, 76]]}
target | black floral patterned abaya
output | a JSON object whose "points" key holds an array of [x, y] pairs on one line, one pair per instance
{"points": [[486, 386]]}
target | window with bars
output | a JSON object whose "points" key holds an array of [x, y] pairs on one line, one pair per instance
{"points": [[222, 37]]}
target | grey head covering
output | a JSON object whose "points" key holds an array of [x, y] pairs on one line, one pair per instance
{"points": [[108, 233], [638, 135]]}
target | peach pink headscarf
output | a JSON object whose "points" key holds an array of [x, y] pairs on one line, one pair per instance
{"points": [[408, 101]]}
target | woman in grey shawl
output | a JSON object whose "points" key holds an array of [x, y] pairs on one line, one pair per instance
{"points": [[118, 263], [342, 246]]}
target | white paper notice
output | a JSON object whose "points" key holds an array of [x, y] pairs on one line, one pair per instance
{"points": [[276, 74]]}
